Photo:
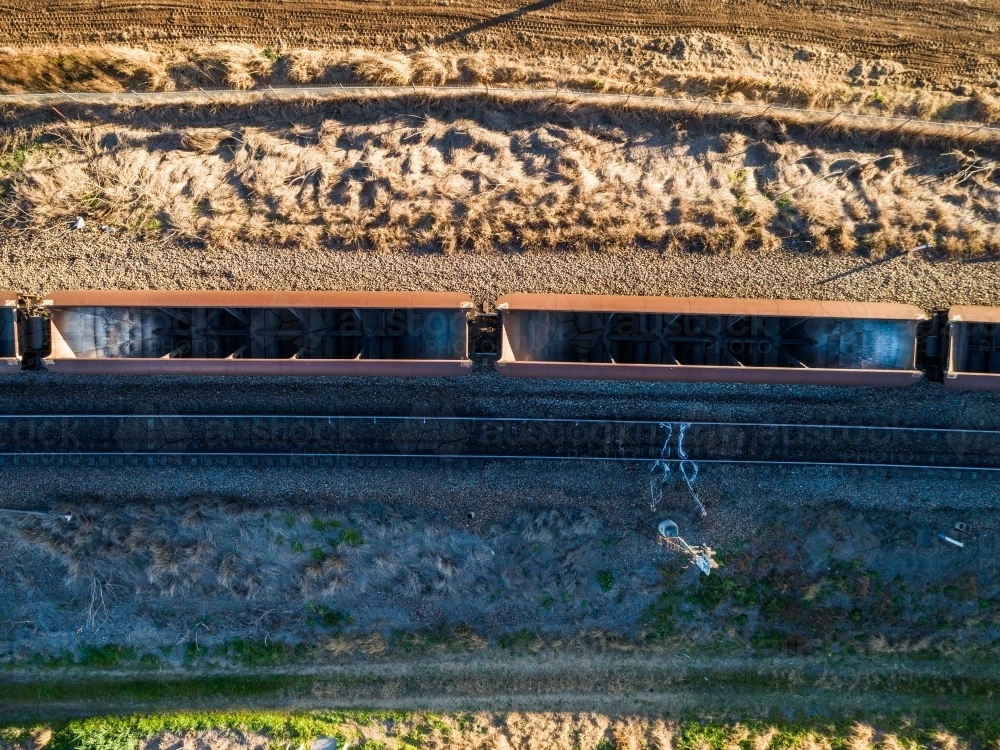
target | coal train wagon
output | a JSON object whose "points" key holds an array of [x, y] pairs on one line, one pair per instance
{"points": [[398, 334], [10, 336], [708, 340], [258, 333], [973, 356]]}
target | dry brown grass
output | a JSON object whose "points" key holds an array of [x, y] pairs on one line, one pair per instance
{"points": [[694, 65], [520, 730], [488, 174], [553, 730], [523, 730]]}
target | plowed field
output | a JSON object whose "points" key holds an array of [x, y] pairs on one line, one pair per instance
{"points": [[935, 38]]}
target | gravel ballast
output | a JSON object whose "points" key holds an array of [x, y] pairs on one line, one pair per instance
{"points": [[36, 263]]}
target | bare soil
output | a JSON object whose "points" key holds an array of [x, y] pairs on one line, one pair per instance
{"points": [[939, 40]]}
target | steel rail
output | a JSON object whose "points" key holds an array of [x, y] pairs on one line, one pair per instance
{"points": [[457, 418], [354, 457], [428, 437], [287, 93]]}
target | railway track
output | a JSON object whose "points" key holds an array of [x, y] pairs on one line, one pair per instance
{"points": [[156, 439]]}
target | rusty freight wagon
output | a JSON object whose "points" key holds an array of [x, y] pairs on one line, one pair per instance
{"points": [[973, 348], [259, 333], [10, 345], [708, 340]]}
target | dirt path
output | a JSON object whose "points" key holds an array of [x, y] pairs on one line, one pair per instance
{"points": [[933, 38], [652, 683], [902, 128]]}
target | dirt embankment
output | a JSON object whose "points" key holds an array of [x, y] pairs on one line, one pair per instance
{"points": [[386, 563]]}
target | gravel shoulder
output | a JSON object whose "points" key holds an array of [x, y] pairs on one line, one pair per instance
{"points": [[38, 262]]}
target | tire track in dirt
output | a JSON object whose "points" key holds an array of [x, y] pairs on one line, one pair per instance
{"points": [[928, 37]]}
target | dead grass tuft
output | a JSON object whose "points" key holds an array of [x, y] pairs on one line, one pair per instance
{"points": [[431, 68], [945, 740], [309, 66], [33, 69], [861, 737], [475, 176], [380, 69], [694, 65], [233, 65], [370, 644], [984, 108]]}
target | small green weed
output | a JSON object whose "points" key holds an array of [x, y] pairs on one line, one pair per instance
{"points": [[517, 641], [257, 652], [105, 657], [350, 537], [322, 524], [413, 738], [13, 160], [606, 580], [785, 207], [328, 618], [151, 224], [659, 618], [439, 637]]}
